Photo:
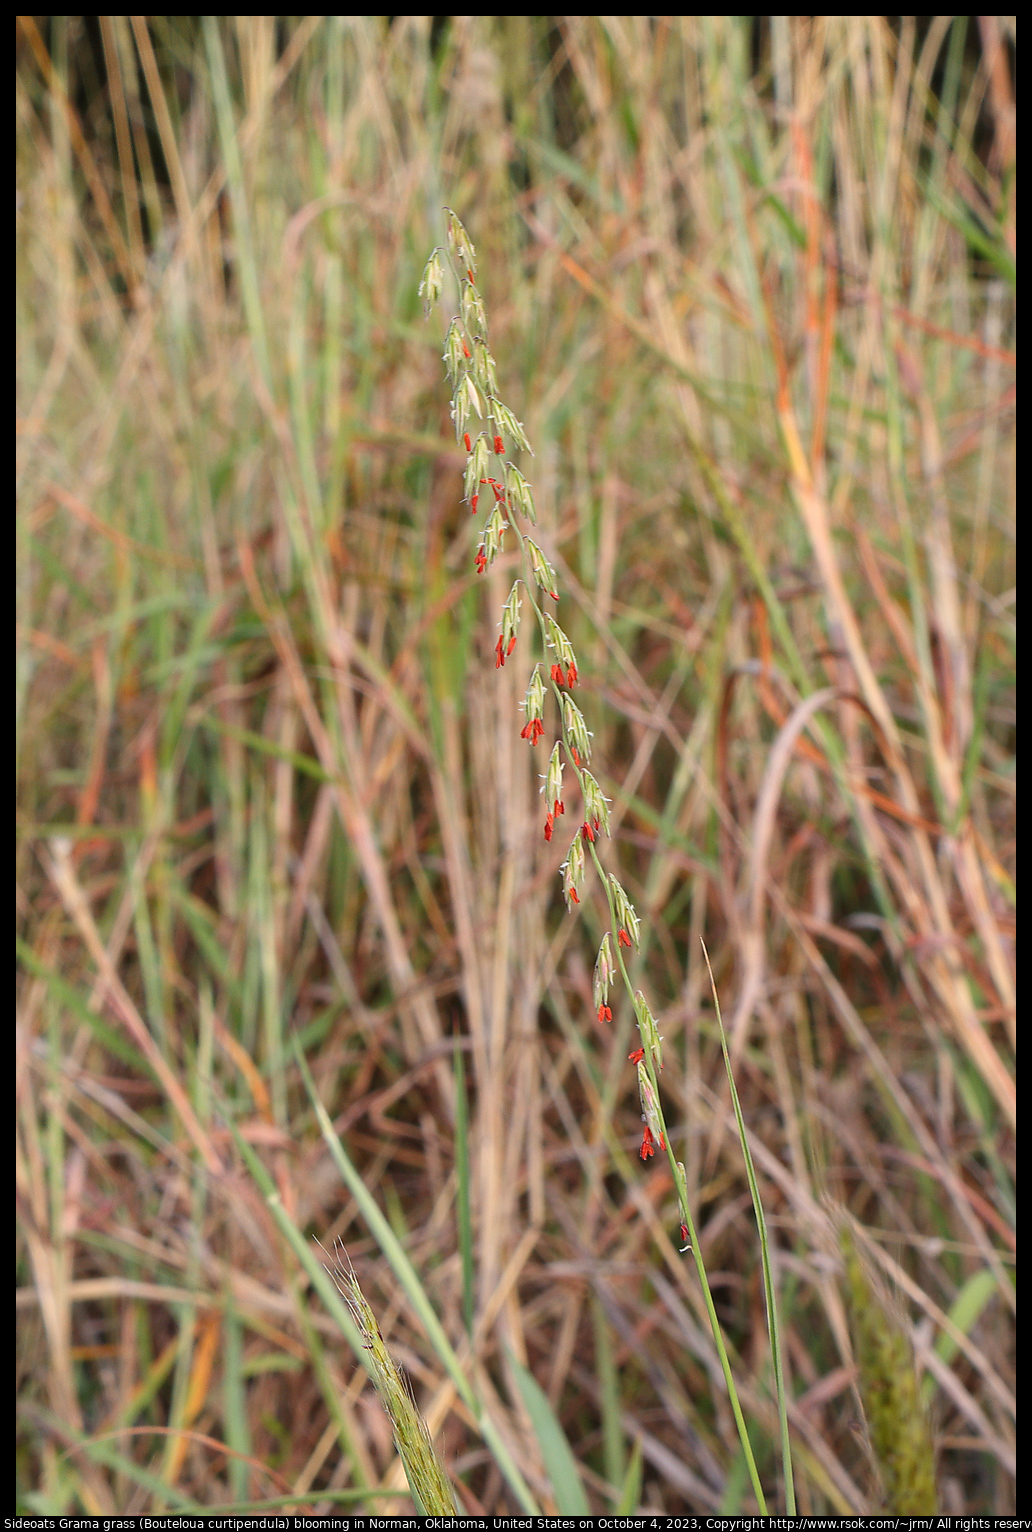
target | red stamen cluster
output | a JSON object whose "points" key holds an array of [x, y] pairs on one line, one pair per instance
{"points": [[532, 729], [557, 671], [499, 445], [560, 808], [587, 832], [481, 561], [637, 1056], [605, 1013], [648, 1143], [623, 938], [500, 653]]}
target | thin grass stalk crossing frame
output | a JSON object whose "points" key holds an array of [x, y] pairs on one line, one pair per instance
{"points": [[472, 371]]}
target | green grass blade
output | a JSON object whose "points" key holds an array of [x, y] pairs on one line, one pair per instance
{"points": [[409, 1279], [630, 1493], [560, 1463], [609, 1396], [965, 1311], [768, 1278]]}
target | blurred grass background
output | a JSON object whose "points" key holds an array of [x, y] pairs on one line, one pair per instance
{"points": [[751, 285]]}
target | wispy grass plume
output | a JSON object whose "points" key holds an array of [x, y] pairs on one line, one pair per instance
{"points": [[897, 1419], [427, 1478]]}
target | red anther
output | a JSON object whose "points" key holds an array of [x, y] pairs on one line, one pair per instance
{"points": [[685, 1237], [560, 807], [576, 757], [548, 827], [473, 504], [587, 832], [481, 561], [648, 1145], [465, 349], [637, 1056], [512, 644], [469, 274], [499, 492], [557, 674], [604, 1013], [467, 442], [575, 896], [532, 729], [499, 446], [623, 938], [571, 675], [499, 656]]}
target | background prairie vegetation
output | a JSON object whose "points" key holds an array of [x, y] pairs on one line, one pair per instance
{"points": [[751, 291]]}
